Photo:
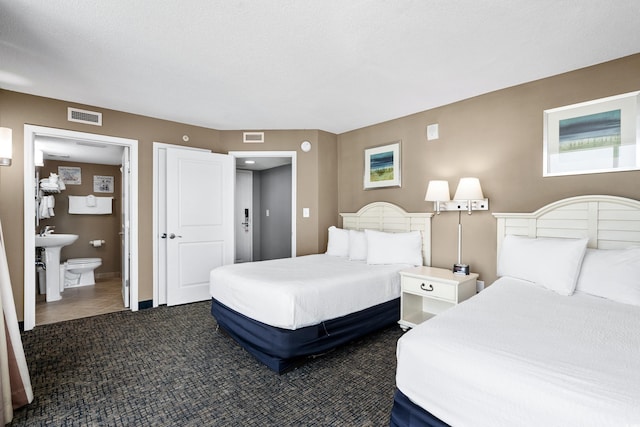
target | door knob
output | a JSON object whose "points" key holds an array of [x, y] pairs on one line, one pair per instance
{"points": [[173, 236]]}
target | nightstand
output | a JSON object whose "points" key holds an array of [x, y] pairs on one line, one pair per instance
{"points": [[427, 291]]}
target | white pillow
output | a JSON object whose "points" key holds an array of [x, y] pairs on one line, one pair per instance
{"points": [[549, 262], [338, 244], [357, 245], [613, 274], [394, 248]]}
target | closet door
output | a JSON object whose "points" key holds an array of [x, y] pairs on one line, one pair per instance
{"points": [[199, 238]]}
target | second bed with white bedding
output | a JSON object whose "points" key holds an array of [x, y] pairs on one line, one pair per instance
{"points": [[293, 293], [519, 354]]}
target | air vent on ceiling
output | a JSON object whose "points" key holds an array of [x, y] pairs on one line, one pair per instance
{"points": [[253, 137], [84, 116]]}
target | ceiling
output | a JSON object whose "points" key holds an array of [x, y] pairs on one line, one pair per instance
{"points": [[78, 151], [333, 65]]}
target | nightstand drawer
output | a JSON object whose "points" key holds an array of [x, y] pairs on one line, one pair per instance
{"points": [[429, 288]]}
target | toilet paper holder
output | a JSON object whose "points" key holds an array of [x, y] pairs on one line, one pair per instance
{"points": [[96, 243]]}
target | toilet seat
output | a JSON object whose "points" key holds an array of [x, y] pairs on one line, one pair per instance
{"points": [[74, 261]]}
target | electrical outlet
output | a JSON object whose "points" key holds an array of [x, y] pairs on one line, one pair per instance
{"points": [[479, 285]]}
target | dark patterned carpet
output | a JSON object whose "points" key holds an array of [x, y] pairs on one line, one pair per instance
{"points": [[169, 367]]}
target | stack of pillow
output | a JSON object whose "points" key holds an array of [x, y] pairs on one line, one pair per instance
{"points": [[566, 266], [376, 247]]}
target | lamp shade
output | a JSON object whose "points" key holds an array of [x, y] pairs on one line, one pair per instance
{"points": [[468, 189], [438, 191], [6, 146]]}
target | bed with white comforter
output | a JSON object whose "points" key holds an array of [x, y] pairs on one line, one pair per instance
{"points": [[282, 311], [292, 293], [520, 354], [555, 341]]}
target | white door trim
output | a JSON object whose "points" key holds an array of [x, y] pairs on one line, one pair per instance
{"points": [[293, 156], [239, 229], [159, 171], [30, 133]]}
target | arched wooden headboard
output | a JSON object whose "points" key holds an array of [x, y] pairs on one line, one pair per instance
{"points": [[384, 216], [610, 222]]}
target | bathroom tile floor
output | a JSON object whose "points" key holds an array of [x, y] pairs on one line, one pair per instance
{"points": [[103, 297]]}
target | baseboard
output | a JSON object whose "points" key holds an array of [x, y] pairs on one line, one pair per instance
{"points": [[107, 276], [142, 305]]}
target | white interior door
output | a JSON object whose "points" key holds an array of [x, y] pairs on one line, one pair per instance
{"points": [[199, 236], [243, 215], [124, 231]]}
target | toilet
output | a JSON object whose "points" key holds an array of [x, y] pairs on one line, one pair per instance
{"points": [[78, 272]]}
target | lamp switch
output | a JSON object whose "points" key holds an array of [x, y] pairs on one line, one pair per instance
{"points": [[267, 212]]}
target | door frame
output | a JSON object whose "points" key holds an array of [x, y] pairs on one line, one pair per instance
{"points": [[293, 155], [236, 215], [30, 134]]}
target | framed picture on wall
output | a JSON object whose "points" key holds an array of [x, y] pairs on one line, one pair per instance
{"points": [[70, 175], [592, 137], [102, 184], [382, 166]]}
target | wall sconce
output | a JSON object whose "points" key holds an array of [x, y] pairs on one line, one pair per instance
{"points": [[468, 197], [469, 191], [6, 146], [437, 192]]}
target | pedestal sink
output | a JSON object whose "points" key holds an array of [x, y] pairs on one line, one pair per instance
{"points": [[52, 243]]}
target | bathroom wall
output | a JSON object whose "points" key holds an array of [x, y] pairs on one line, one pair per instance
{"points": [[88, 227]]}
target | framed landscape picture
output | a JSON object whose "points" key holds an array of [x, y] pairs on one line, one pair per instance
{"points": [[593, 137], [382, 166]]}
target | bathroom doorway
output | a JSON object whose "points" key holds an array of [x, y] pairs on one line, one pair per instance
{"points": [[101, 162]]}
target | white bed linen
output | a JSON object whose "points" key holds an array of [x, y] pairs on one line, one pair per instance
{"points": [[292, 293], [520, 355]]}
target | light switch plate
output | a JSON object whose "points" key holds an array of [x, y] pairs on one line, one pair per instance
{"points": [[432, 132], [305, 212]]}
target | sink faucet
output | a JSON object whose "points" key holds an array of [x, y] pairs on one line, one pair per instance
{"points": [[48, 229]]}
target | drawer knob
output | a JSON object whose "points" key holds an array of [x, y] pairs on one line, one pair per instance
{"points": [[426, 288]]}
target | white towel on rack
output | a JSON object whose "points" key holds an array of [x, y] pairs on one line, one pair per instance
{"points": [[51, 203], [91, 200], [43, 208], [49, 186]]}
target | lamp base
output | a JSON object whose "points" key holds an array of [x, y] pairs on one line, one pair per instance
{"points": [[461, 269]]}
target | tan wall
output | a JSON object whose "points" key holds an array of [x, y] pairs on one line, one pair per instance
{"points": [[327, 186], [17, 109], [496, 137], [88, 227]]}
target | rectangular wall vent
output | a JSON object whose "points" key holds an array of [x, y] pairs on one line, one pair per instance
{"points": [[253, 137], [84, 116]]}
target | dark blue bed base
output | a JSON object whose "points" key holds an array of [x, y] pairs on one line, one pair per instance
{"points": [[283, 349], [405, 413]]}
